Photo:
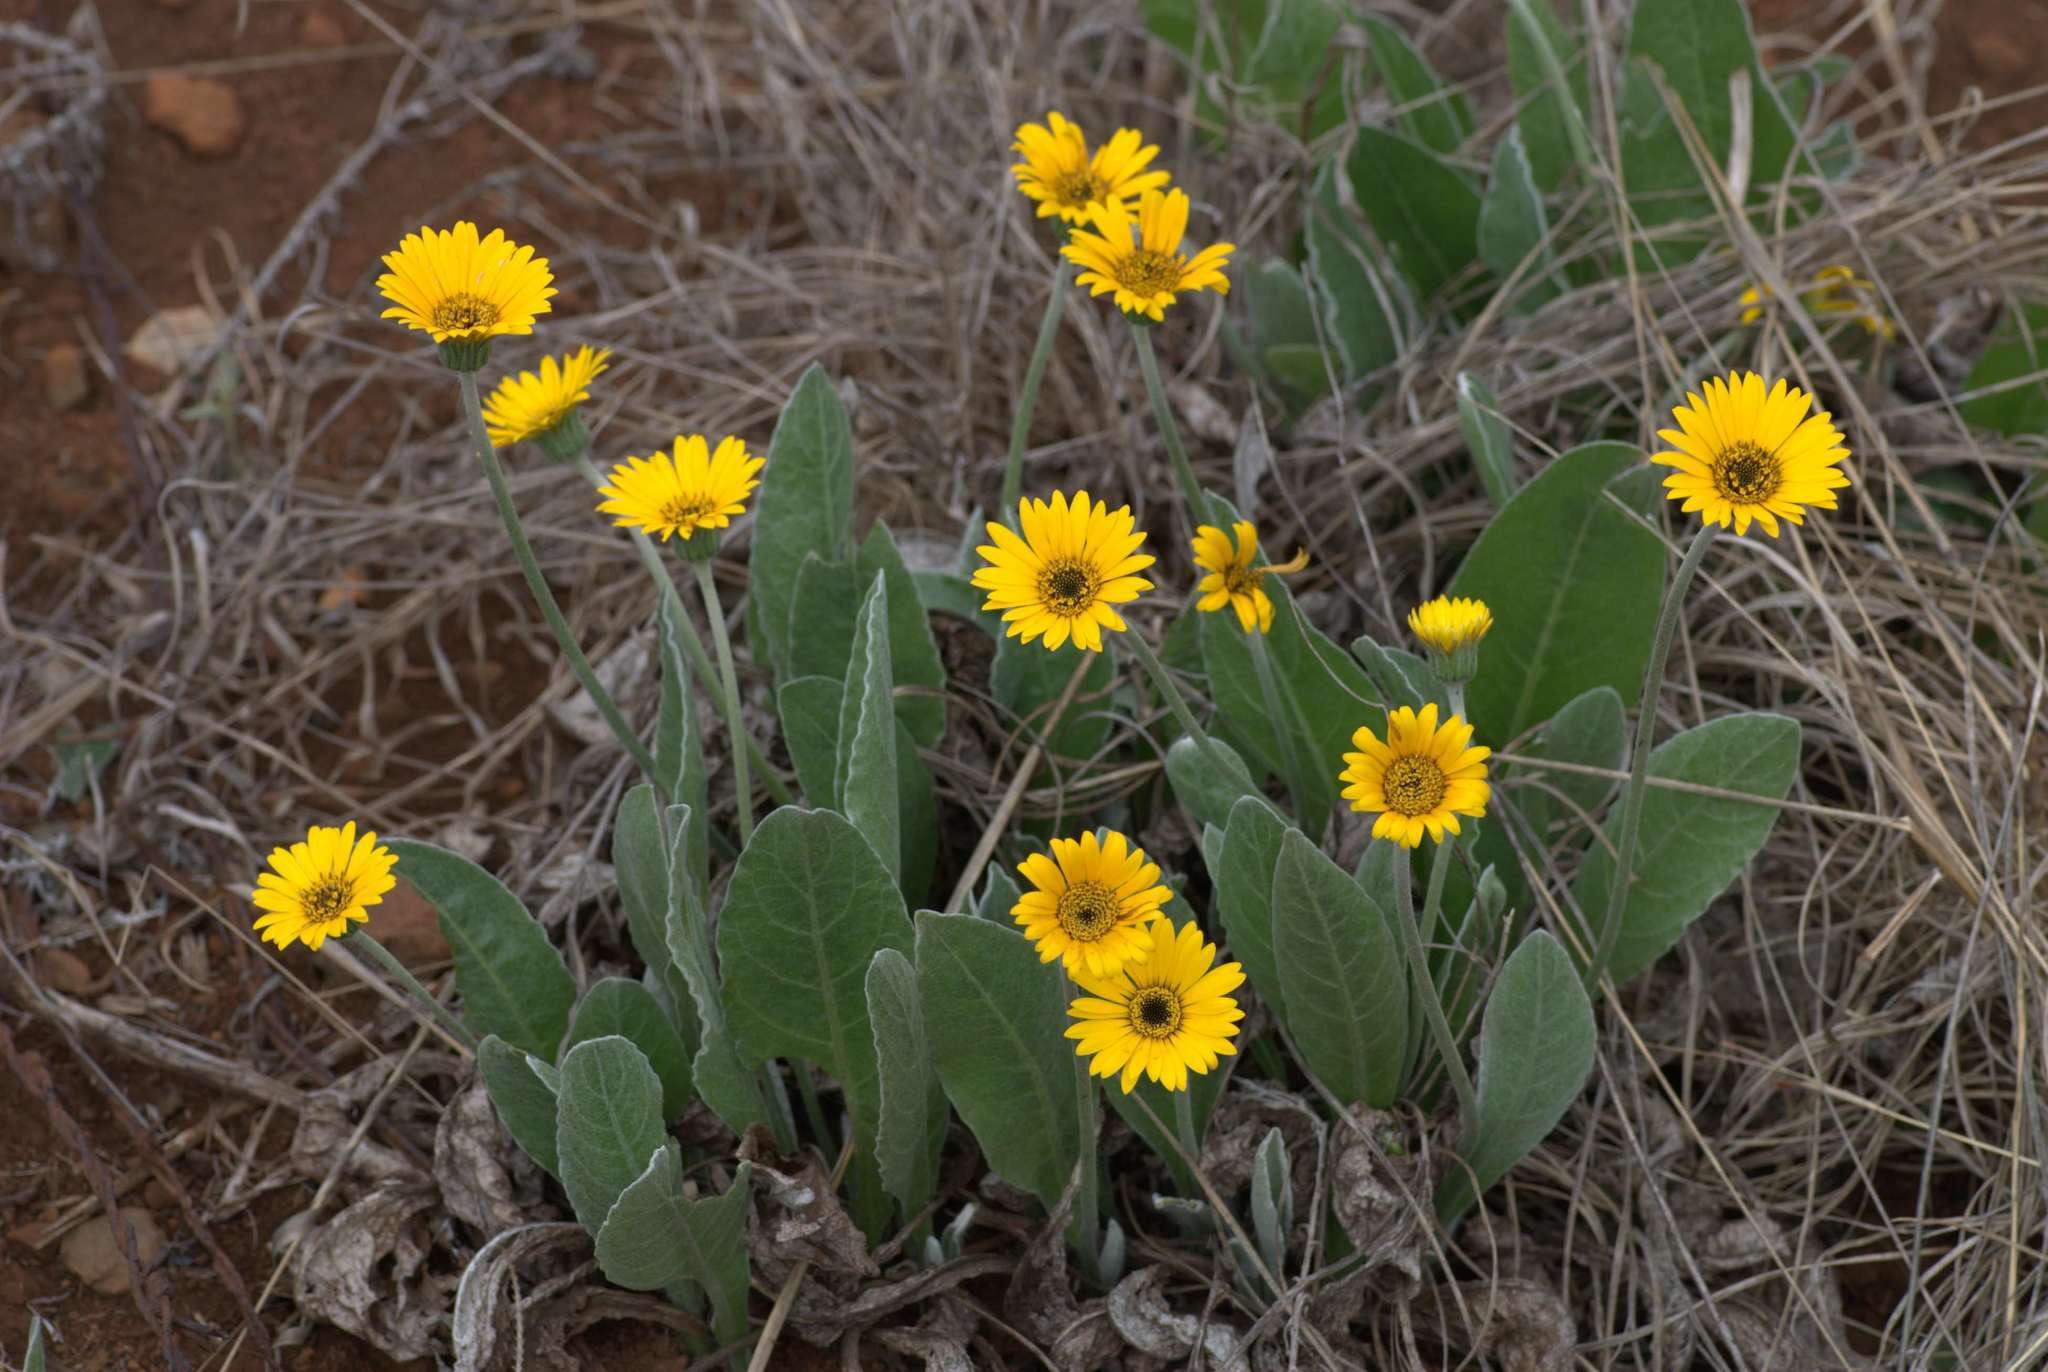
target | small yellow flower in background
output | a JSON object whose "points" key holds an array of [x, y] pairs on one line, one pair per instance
{"points": [[1060, 578], [1744, 454], [533, 405], [458, 288], [1163, 1018], [1422, 778], [1147, 270], [1093, 903], [680, 494], [1835, 291], [1233, 579], [1451, 630], [1059, 174], [314, 889]]}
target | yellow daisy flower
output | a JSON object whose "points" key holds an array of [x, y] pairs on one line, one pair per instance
{"points": [[1422, 777], [1059, 174], [1165, 1017], [1145, 271], [461, 289], [1233, 578], [1835, 291], [1743, 454], [1060, 577], [314, 889], [533, 406], [1092, 904], [694, 489], [1451, 630]]}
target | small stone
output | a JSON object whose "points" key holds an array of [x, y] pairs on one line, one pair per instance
{"points": [[203, 114], [65, 382], [158, 1195], [63, 971], [93, 1254], [174, 338], [318, 28], [406, 923]]}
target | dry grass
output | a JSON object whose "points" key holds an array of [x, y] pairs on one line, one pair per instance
{"points": [[1814, 1130]]}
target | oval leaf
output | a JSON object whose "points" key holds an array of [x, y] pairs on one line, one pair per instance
{"points": [[1421, 207], [865, 770], [913, 1122], [804, 505], [608, 1123], [1341, 974], [1244, 893], [657, 1236], [524, 1100], [629, 1010], [512, 980]]}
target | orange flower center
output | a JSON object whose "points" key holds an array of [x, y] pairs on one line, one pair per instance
{"points": [[1155, 1012], [1087, 911], [1747, 475], [464, 313], [1413, 786]]}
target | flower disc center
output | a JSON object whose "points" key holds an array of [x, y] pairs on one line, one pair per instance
{"points": [[1155, 1012], [684, 511], [1241, 578], [1087, 911], [1068, 587], [328, 898], [1147, 273], [1413, 786], [1747, 475], [464, 313], [1078, 188]]}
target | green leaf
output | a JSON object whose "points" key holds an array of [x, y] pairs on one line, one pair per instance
{"points": [[1540, 52], [999, 894], [657, 1236], [1027, 681], [1282, 332], [79, 762], [1535, 1052], [1691, 846], [1397, 677], [919, 821], [809, 906], [1244, 893], [1487, 438], [1513, 228], [1574, 585], [608, 1123], [721, 1078], [996, 1019], [34, 1357], [1699, 44], [1591, 731], [1207, 780], [821, 621], [1272, 1200], [804, 505], [525, 1102], [678, 747], [913, 652], [810, 708], [1421, 207], [1362, 310], [914, 1114], [2018, 353], [1340, 972], [640, 856], [865, 769], [512, 980], [1433, 116], [629, 1010]]}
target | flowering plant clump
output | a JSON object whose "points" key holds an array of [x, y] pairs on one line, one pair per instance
{"points": [[1184, 929]]}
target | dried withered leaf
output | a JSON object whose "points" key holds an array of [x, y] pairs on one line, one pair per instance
{"points": [[1041, 1303], [1381, 1200], [1524, 1326], [485, 1179], [940, 1338], [821, 1315], [491, 1306], [1239, 1125], [327, 1121], [364, 1272], [1138, 1311], [796, 1216]]}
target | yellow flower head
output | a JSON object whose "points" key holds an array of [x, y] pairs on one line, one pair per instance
{"points": [[1165, 1017], [314, 889], [1422, 777], [455, 286], [1233, 578], [528, 406], [1059, 174], [1449, 625], [1145, 269], [1060, 578], [1835, 292], [694, 489], [1092, 903], [1743, 454]]}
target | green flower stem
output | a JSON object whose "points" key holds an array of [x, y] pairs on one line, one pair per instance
{"points": [[1086, 1230], [535, 582], [1190, 489], [1034, 374], [1424, 985], [1184, 1126], [1189, 725], [1286, 717], [693, 643], [734, 725], [1639, 756], [398, 973]]}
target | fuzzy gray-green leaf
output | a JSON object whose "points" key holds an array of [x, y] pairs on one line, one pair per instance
{"points": [[726, 1083], [1244, 892], [810, 708], [1341, 974], [804, 505], [608, 1123], [524, 1100], [913, 1119], [629, 1010], [865, 770], [640, 857], [657, 1236]]}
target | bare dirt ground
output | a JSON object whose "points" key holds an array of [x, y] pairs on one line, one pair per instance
{"points": [[82, 478]]}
